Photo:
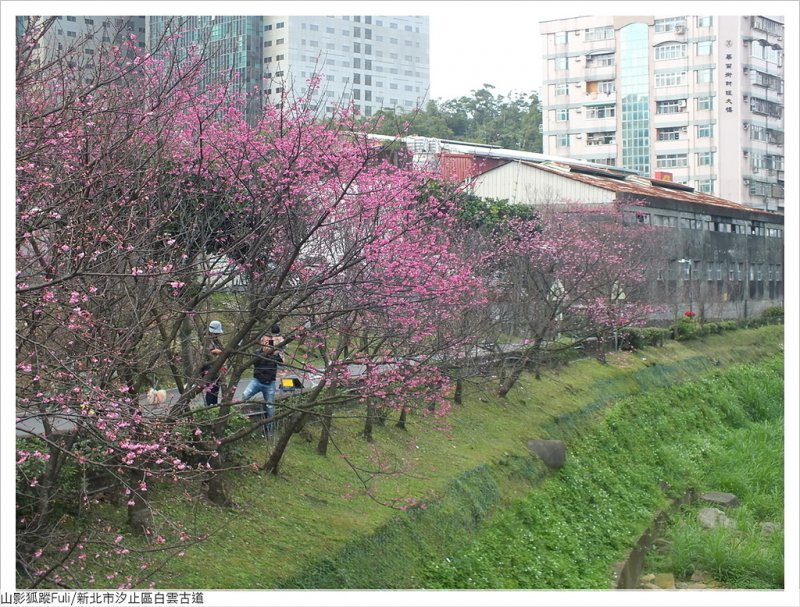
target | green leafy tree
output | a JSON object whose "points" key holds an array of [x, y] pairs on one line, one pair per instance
{"points": [[512, 122]]}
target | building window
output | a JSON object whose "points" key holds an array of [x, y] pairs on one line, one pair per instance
{"points": [[705, 103], [672, 106], [705, 186], [601, 86], [563, 140], [72, 18], [601, 111], [668, 161], [760, 188], [767, 81], [600, 138], [767, 53], [760, 106], [267, 28], [704, 48], [670, 50], [560, 37], [670, 79], [560, 63], [604, 60], [279, 41], [705, 21], [668, 134], [279, 25], [562, 89], [71, 34], [562, 115], [760, 23], [704, 75], [599, 33], [705, 159], [672, 24], [704, 130]]}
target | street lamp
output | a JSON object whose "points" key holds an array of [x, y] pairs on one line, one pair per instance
{"points": [[690, 263]]}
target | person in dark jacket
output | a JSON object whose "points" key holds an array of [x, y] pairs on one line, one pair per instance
{"points": [[265, 372]]}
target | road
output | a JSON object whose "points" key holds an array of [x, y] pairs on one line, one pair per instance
{"points": [[32, 425]]}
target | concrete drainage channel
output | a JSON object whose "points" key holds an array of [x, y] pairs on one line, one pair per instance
{"points": [[628, 573]]}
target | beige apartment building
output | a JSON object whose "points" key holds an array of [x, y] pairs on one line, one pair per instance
{"points": [[695, 99]]}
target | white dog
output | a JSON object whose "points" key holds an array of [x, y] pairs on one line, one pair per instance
{"points": [[156, 397]]}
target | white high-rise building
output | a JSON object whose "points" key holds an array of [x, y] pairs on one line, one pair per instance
{"points": [[79, 38], [377, 62], [698, 99]]}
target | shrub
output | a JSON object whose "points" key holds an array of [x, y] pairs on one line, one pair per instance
{"points": [[685, 328], [773, 315], [633, 339]]}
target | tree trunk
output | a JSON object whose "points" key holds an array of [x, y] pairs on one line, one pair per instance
{"points": [[327, 421], [458, 394], [217, 493], [140, 519], [274, 459], [509, 381], [369, 422], [401, 423], [187, 356]]}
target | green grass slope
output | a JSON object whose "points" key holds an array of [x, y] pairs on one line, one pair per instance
{"points": [[389, 514]]}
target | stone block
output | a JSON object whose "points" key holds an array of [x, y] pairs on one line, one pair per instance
{"points": [[665, 581], [728, 500], [713, 517], [552, 452]]}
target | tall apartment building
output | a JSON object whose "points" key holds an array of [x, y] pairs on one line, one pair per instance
{"points": [[697, 98], [377, 62], [85, 34]]}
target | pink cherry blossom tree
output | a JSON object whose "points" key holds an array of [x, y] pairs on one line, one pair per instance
{"points": [[142, 200], [573, 273]]}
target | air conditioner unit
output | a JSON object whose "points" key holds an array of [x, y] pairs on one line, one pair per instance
{"points": [[579, 111], [680, 29], [577, 85], [578, 59], [745, 126], [745, 153], [684, 129], [579, 136], [746, 181], [681, 102], [755, 169]]}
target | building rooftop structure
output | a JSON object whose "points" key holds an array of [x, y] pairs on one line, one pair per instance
{"points": [[467, 161]]}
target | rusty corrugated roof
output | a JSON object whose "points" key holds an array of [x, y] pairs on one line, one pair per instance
{"points": [[616, 182]]}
